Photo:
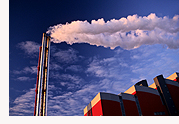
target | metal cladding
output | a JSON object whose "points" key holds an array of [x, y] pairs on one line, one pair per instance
{"points": [[158, 99], [40, 107], [163, 89]]}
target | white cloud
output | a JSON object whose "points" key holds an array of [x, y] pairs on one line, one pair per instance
{"points": [[71, 103], [54, 66], [24, 78], [75, 68], [153, 61], [74, 99], [128, 33], [64, 83], [26, 70], [119, 50], [66, 56], [52, 87], [107, 67], [67, 77], [144, 52], [24, 104], [30, 47]]}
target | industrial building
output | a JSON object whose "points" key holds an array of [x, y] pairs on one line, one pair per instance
{"points": [[159, 99]]}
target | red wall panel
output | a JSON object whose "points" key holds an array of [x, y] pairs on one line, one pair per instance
{"points": [[97, 109], [111, 108], [174, 92], [150, 103], [130, 108]]}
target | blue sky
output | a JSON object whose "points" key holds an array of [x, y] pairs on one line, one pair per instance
{"points": [[79, 71]]}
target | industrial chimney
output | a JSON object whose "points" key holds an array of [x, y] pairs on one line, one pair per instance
{"points": [[41, 92]]}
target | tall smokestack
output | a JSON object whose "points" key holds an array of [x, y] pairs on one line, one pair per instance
{"points": [[40, 107]]}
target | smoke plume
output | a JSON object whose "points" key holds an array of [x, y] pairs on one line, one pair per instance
{"points": [[128, 33]]}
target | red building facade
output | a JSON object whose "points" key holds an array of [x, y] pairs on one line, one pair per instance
{"points": [[160, 98]]}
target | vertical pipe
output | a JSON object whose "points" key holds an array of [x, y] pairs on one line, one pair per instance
{"points": [[43, 84], [40, 73], [36, 90], [48, 46], [44, 81]]}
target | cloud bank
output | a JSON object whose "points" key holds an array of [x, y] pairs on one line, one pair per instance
{"points": [[128, 33], [31, 48]]}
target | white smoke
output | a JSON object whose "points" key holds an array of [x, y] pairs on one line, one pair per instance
{"points": [[128, 33]]}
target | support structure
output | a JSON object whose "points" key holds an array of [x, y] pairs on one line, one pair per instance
{"points": [[166, 97], [41, 92]]}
